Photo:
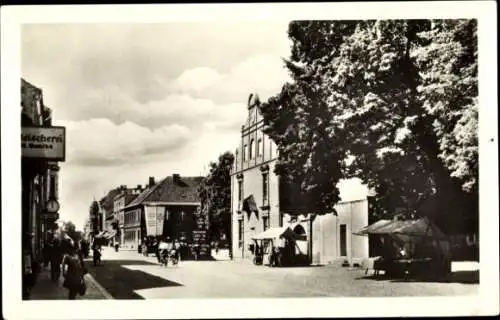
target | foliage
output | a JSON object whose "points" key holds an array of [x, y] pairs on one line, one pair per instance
{"points": [[215, 195], [69, 229], [392, 102], [94, 216]]}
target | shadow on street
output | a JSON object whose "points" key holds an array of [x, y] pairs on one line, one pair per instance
{"points": [[121, 282], [464, 277]]}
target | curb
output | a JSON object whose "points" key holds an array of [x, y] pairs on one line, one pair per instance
{"points": [[104, 292]]}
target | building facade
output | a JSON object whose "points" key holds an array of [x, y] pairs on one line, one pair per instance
{"points": [[40, 179], [121, 200], [258, 203], [254, 186], [109, 227], [164, 209]]}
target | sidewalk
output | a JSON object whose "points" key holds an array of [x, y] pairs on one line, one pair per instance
{"points": [[45, 289]]}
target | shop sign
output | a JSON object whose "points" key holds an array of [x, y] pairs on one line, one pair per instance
{"points": [[47, 143]]}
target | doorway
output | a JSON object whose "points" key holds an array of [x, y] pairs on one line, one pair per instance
{"points": [[343, 240]]}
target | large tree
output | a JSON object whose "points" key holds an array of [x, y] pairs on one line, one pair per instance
{"points": [[392, 102], [69, 229], [215, 195]]}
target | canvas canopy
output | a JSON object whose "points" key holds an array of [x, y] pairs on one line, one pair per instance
{"points": [[421, 227], [371, 228], [275, 233], [110, 234], [100, 235]]}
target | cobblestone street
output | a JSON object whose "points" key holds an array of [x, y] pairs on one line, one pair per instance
{"points": [[128, 275]]}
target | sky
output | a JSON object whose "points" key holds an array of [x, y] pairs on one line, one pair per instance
{"points": [[141, 100]]}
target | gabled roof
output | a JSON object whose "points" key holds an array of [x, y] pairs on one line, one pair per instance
{"points": [[180, 190]]}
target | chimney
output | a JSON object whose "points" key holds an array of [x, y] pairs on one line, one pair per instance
{"points": [[176, 177], [151, 181]]}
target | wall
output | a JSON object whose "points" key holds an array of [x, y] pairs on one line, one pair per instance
{"points": [[132, 227], [326, 245]]}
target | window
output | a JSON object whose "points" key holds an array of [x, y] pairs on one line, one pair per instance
{"points": [[259, 146], [240, 190], [265, 220], [240, 233], [265, 189], [244, 153], [250, 151], [236, 159]]}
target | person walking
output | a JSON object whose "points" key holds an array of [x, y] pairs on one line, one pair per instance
{"points": [[56, 256], [73, 272]]}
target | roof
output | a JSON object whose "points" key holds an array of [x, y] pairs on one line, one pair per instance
{"points": [[106, 202], [411, 227], [127, 195], [372, 227], [181, 190]]}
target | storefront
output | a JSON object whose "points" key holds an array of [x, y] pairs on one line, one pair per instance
{"points": [[42, 147]]}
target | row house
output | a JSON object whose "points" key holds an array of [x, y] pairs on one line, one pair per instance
{"points": [[109, 229], [121, 200], [167, 208], [261, 201]]}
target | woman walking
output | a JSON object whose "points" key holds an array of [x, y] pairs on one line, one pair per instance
{"points": [[73, 272]]}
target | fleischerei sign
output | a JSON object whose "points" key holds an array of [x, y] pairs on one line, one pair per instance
{"points": [[44, 143]]}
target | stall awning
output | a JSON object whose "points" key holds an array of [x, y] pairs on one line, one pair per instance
{"points": [[275, 233], [100, 234], [371, 228], [412, 227], [110, 234]]}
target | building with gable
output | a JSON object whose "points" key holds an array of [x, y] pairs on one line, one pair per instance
{"points": [[167, 208], [261, 201]]}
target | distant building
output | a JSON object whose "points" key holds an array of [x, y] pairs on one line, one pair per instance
{"points": [[261, 201], [165, 209], [106, 206], [121, 200]]}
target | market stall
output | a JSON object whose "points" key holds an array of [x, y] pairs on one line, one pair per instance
{"points": [[409, 247], [275, 247]]}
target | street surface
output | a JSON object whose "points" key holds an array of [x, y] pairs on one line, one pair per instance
{"points": [[129, 275]]}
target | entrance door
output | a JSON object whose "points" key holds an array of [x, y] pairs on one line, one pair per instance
{"points": [[343, 240]]}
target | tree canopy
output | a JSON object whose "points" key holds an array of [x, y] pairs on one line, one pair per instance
{"points": [[393, 102], [215, 196]]}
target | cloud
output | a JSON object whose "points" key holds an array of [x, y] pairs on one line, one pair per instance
{"points": [[139, 100], [100, 142], [263, 74]]}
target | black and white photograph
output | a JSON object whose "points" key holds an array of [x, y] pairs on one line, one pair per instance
{"points": [[250, 160]]}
